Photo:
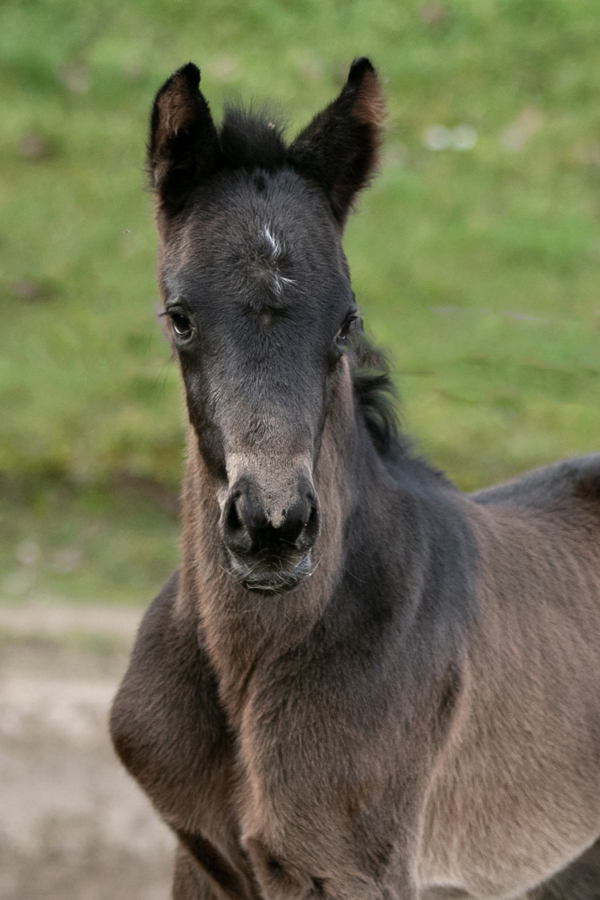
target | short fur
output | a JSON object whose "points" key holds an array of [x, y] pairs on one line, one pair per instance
{"points": [[360, 684]]}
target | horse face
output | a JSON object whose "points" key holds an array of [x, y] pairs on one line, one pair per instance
{"points": [[257, 292], [259, 301]]}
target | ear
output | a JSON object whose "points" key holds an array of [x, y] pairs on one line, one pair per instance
{"points": [[339, 147], [183, 146]]}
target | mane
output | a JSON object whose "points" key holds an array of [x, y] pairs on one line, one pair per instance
{"points": [[378, 403], [252, 138], [377, 398]]}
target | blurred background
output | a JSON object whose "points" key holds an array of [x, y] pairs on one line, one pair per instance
{"points": [[475, 258]]}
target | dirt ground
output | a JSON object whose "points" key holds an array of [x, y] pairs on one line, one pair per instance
{"points": [[72, 823]]}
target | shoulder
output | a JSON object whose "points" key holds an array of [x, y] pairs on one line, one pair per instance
{"points": [[169, 687]]}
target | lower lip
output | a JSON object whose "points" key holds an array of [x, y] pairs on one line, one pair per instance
{"points": [[273, 582]]}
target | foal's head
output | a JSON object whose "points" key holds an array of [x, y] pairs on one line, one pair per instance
{"points": [[257, 291]]}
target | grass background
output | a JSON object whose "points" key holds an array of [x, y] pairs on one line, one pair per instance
{"points": [[478, 268]]}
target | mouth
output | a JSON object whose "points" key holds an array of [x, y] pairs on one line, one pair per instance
{"points": [[271, 581]]}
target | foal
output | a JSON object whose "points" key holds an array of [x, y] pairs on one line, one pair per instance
{"points": [[360, 684]]}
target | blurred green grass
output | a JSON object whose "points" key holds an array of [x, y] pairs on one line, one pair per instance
{"points": [[479, 269]]}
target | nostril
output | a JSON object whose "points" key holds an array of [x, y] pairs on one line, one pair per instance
{"points": [[250, 528], [233, 521], [235, 533], [309, 533]]}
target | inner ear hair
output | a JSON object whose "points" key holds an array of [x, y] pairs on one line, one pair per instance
{"points": [[183, 146], [339, 148]]}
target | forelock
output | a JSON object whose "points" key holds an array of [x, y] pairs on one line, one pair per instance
{"points": [[252, 139]]}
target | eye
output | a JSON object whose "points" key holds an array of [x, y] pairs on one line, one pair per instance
{"points": [[350, 323], [181, 324]]}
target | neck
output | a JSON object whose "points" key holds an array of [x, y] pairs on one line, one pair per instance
{"points": [[240, 628]]}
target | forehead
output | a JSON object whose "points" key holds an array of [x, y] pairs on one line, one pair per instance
{"points": [[257, 235]]}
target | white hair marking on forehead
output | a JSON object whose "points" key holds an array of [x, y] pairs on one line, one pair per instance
{"points": [[275, 251], [279, 281], [273, 243]]}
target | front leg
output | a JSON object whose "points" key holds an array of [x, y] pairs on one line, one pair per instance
{"points": [[216, 872], [189, 881], [171, 733], [281, 878], [201, 873]]}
